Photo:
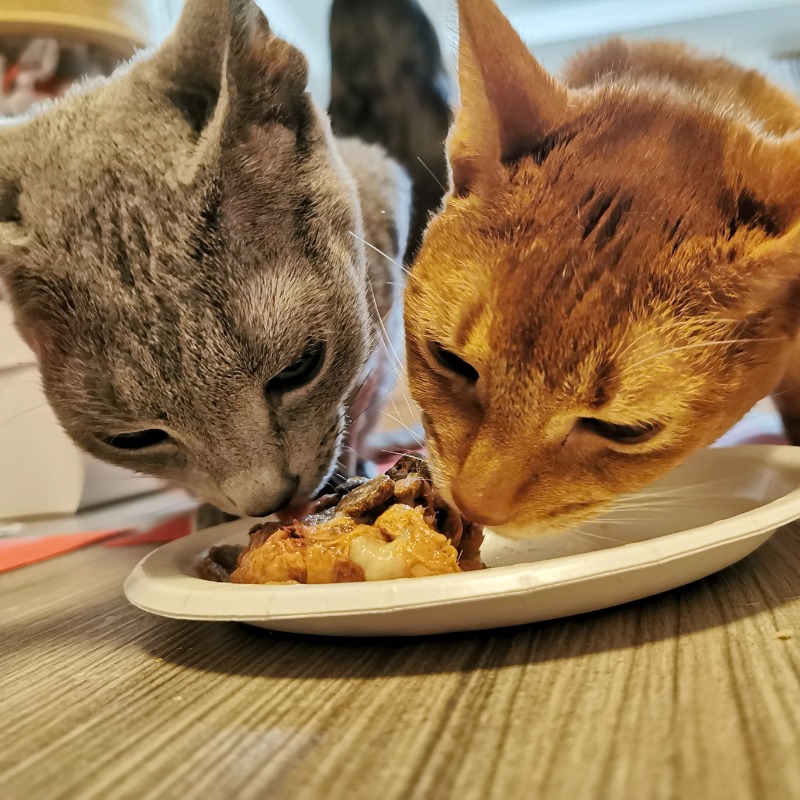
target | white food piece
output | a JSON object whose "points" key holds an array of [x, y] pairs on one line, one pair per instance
{"points": [[381, 561]]}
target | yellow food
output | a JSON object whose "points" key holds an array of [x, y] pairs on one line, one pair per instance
{"points": [[399, 544]]}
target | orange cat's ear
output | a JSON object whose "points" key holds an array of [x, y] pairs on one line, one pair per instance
{"points": [[509, 103], [763, 174]]}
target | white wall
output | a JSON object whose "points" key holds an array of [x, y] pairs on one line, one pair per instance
{"points": [[749, 30]]}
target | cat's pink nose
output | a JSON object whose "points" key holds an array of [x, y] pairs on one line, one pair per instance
{"points": [[482, 510]]}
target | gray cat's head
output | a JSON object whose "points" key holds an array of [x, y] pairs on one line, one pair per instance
{"points": [[176, 244]]}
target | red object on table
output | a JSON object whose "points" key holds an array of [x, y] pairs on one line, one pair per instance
{"points": [[21, 551], [167, 531], [10, 78]]}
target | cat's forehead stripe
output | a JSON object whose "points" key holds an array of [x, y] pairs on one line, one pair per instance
{"points": [[468, 324]]}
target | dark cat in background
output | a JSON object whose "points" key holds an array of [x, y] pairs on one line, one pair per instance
{"points": [[389, 86]]}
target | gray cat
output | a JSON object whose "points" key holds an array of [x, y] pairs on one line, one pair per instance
{"points": [[182, 248]]}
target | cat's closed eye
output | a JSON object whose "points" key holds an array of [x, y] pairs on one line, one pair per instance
{"points": [[453, 364], [621, 434], [300, 372], [138, 440]]}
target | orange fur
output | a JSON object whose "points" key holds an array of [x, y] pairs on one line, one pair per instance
{"points": [[622, 247]]}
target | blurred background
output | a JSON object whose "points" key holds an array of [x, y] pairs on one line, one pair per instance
{"points": [[764, 33]]}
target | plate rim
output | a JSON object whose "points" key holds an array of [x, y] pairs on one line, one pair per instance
{"points": [[174, 591]]}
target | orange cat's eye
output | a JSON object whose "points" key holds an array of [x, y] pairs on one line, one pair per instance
{"points": [[621, 434], [452, 363]]}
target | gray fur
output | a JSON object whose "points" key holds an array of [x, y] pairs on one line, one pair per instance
{"points": [[174, 237]]}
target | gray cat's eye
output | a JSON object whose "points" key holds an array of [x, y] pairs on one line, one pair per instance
{"points": [[621, 434], [452, 363], [138, 440], [299, 372]]}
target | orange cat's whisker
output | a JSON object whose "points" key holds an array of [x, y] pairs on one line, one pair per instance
{"points": [[700, 488], [400, 422], [598, 537], [700, 345]]}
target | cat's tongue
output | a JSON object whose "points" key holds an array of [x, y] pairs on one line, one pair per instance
{"points": [[286, 516]]}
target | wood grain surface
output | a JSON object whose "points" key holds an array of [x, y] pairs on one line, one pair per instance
{"points": [[693, 694]]}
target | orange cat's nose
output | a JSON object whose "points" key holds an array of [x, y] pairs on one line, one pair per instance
{"points": [[482, 509]]}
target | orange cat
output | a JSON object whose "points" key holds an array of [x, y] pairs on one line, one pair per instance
{"points": [[614, 279]]}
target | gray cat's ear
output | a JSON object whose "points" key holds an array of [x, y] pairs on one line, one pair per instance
{"points": [[13, 238], [16, 281], [34, 304], [223, 63], [509, 103], [10, 213]]}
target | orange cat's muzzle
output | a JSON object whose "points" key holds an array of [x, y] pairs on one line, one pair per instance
{"points": [[492, 516], [486, 500]]}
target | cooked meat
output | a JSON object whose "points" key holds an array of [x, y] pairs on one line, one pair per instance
{"points": [[370, 496], [220, 562]]}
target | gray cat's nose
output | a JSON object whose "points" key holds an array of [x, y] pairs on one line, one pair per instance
{"points": [[255, 497]]}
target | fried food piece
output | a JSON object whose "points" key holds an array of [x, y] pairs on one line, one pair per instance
{"points": [[399, 544], [367, 497], [393, 526]]}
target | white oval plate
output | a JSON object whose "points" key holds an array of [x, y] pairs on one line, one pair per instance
{"points": [[709, 513]]}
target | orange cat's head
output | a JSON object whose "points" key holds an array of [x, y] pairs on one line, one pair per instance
{"points": [[613, 282]]}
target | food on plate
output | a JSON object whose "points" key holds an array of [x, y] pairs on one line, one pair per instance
{"points": [[393, 526]]}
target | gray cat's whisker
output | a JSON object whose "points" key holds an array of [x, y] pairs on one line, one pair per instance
{"points": [[376, 249], [432, 174], [403, 425], [398, 453], [401, 373], [395, 361], [345, 414], [24, 412], [386, 340]]}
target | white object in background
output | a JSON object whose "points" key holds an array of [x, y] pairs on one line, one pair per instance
{"points": [[138, 514], [42, 473], [710, 512]]}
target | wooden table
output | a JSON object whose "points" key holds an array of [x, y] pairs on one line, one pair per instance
{"points": [[694, 694]]}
